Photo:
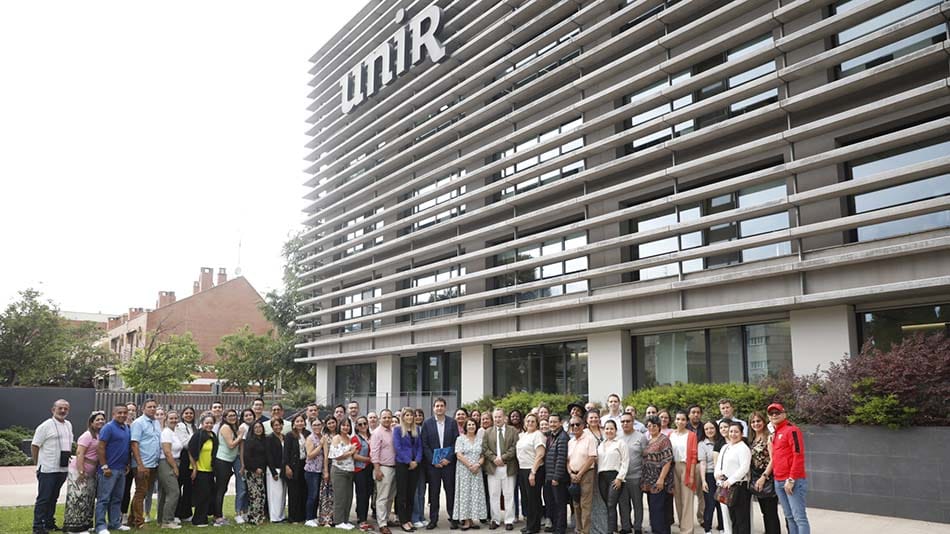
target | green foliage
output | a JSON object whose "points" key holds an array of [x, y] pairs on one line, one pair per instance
{"points": [[746, 397], [30, 333], [281, 309], [15, 434], [246, 358], [164, 365], [877, 409], [525, 402], [83, 356], [10, 453]]}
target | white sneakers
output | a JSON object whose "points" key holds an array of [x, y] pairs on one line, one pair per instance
{"points": [[345, 526], [103, 531], [419, 524], [171, 525], [239, 519], [311, 523], [125, 527]]}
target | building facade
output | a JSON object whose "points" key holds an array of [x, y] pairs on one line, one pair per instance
{"points": [[595, 196], [212, 311]]}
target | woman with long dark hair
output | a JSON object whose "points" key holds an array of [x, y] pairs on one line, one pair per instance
{"points": [[240, 482], [81, 486], [254, 466], [325, 514], [185, 429], [341, 473], [706, 452], [762, 482], [362, 471], [732, 471], [313, 471], [202, 449], [408, 445], [276, 482], [229, 441], [685, 448], [295, 455], [530, 454]]}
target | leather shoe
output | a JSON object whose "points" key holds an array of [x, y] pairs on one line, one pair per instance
{"points": [[453, 524], [493, 526], [431, 525], [509, 526]]}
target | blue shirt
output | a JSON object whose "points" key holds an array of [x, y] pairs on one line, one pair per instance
{"points": [[148, 434], [116, 437]]}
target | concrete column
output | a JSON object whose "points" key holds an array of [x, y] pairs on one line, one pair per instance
{"points": [[388, 385], [821, 336], [609, 364], [325, 381], [477, 378]]}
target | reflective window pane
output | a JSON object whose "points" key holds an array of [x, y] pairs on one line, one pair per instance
{"points": [[885, 328], [725, 352], [769, 349]]}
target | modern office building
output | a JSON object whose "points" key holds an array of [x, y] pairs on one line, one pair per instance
{"points": [[595, 196]]}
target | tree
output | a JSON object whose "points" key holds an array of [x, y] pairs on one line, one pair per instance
{"points": [[281, 308], [83, 357], [31, 341], [163, 364], [247, 358]]}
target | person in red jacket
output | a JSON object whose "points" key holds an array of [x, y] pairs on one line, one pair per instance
{"points": [[788, 467]]}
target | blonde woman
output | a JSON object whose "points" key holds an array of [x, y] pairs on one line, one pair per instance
{"points": [[408, 445]]}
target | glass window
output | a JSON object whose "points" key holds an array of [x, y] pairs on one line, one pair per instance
{"points": [[768, 349], [931, 187], [890, 51], [355, 380], [550, 270], [547, 177], [885, 328], [435, 295], [733, 353], [551, 367]]}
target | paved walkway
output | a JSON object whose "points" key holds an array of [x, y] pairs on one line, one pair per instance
{"points": [[18, 488]]}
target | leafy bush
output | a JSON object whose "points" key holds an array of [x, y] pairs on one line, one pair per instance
{"points": [[747, 397], [916, 373], [820, 398], [10, 454], [883, 410], [16, 434], [525, 401]]}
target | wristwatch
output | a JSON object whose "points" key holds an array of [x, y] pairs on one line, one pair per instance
{"points": [[792, 480], [105, 466]]}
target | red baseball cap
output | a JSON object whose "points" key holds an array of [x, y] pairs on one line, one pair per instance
{"points": [[775, 407]]}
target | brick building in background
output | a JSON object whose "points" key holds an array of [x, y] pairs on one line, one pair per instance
{"points": [[212, 311]]}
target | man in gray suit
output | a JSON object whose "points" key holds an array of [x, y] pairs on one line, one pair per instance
{"points": [[501, 465]]}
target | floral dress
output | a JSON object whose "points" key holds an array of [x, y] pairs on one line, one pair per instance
{"points": [[469, 488], [81, 492], [325, 513]]}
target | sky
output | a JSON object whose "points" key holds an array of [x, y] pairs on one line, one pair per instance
{"points": [[141, 141]]}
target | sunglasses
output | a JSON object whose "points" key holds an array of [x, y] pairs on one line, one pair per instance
{"points": [[575, 425], [360, 424]]}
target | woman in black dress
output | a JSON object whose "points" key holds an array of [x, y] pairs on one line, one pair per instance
{"points": [[295, 455]]}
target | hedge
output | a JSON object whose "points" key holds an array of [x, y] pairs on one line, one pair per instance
{"points": [[525, 402]]}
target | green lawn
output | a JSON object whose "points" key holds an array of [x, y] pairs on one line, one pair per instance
{"points": [[20, 519]]}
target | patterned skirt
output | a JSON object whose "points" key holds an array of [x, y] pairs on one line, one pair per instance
{"points": [[325, 513], [256, 493], [80, 503]]}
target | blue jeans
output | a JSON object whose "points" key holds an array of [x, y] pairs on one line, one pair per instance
{"points": [[313, 493], [418, 504], [794, 506], [658, 504], [109, 494], [49, 485], [240, 490]]}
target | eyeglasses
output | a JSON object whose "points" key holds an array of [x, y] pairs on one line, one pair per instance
{"points": [[361, 424], [773, 414], [572, 425]]}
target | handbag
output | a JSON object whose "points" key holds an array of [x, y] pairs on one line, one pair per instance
{"points": [[768, 490], [726, 495]]}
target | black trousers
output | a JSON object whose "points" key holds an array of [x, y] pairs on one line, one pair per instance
{"points": [[127, 496], [203, 496], [531, 498], [558, 505], [446, 477], [611, 496], [222, 476], [406, 482], [184, 509], [769, 508], [364, 490], [487, 496], [739, 510], [297, 495]]}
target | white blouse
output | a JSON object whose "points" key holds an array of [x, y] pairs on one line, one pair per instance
{"points": [[612, 456], [733, 463]]}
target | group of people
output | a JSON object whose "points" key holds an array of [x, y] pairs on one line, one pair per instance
{"points": [[493, 467]]}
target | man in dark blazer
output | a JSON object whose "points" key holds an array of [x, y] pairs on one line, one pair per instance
{"points": [[439, 432], [499, 447]]}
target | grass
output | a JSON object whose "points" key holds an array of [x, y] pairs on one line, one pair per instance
{"points": [[20, 519]]}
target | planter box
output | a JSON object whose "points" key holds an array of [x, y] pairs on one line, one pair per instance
{"points": [[875, 470]]}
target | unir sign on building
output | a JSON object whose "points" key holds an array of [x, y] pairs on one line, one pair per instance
{"points": [[394, 56]]}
